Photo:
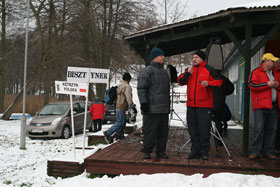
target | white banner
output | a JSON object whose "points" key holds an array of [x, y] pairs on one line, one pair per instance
{"points": [[74, 88], [99, 75], [79, 74]]}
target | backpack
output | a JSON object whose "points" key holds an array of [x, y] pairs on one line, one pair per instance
{"points": [[111, 95]]}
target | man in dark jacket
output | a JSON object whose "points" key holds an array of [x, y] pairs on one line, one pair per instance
{"points": [[200, 79], [154, 96], [219, 96]]}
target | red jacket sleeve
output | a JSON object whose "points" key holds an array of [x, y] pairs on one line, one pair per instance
{"points": [[255, 83], [214, 82], [183, 78], [91, 109]]}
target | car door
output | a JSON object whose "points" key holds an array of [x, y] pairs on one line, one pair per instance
{"points": [[78, 117], [82, 110]]}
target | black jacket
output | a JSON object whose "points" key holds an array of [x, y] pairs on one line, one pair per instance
{"points": [[153, 88], [220, 93]]}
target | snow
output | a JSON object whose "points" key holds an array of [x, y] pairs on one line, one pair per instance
{"points": [[263, 3], [29, 167]]}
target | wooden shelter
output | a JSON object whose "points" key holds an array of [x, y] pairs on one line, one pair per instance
{"points": [[237, 25]]}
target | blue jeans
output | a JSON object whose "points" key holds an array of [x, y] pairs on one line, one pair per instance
{"points": [[265, 125], [119, 126]]}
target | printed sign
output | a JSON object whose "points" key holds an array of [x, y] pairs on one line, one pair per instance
{"points": [[92, 75], [77, 74], [74, 88], [99, 75]]}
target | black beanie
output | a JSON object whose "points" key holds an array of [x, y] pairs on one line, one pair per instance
{"points": [[201, 54], [155, 52], [126, 76]]}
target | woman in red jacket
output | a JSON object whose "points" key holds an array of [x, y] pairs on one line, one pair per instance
{"points": [[97, 109]]}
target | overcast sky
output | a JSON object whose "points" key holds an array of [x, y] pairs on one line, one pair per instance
{"points": [[203, 7]]}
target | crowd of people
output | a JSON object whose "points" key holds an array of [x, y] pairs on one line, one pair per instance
{"points": [[207, 89]]}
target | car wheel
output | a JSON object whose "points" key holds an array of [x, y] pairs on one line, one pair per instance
{"points": [[65, 132]]}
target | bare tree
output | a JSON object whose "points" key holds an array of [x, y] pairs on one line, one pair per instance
{"points": [[171, 10], [74, 33], [44, 56], [2, 53]]}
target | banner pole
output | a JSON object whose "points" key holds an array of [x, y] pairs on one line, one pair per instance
{"points": [[72, 121], [85, 118]]}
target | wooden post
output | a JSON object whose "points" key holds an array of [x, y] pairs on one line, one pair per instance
{"points": [[147, 54], [246, 52], [248, 42]]}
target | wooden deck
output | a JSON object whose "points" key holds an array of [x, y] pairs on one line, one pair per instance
{"points": [[125, 157]]}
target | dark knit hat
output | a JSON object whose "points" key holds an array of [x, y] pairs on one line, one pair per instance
{"points": [[126, 76], [201, 54], [155, 52]]}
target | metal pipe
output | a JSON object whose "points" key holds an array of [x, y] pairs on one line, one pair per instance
{"points": [[23, 118]]}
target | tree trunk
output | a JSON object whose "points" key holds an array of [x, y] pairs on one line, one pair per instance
{"points": [[35, 76], [18, 97], [2, 55]]}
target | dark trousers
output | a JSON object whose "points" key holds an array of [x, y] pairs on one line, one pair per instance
{"points": [[199, 125], [97, 123], [155, 130], [265, 126]]}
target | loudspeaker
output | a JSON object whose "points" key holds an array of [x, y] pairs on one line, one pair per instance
{"points": [[172, 72], [214, 54]]}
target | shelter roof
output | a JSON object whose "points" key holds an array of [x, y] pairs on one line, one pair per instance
{"points": [[192, 34]]}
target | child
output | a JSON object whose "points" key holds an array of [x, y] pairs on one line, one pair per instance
{"points": [[97, 109]]}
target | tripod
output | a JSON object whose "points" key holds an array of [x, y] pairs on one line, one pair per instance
{"points": [[172, 111], [214, 131]]}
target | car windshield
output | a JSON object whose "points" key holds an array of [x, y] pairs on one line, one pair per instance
{"points": [[54, 109]]}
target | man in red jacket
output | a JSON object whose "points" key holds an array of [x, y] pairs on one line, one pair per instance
{"points": [[265, 91], [97, 109], [200, 79], [277, 139]]}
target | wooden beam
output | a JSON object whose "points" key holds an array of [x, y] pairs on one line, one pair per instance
{"points": [[147, 52], [235, 41], [247, 56], [197, 30]]}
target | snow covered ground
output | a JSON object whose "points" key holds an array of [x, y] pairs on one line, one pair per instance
{"points": [[29, 167]]}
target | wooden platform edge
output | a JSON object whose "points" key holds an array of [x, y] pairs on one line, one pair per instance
{"points": [[64, 168], [132, 168]]}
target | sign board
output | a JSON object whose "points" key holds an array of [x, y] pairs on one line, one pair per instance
{"points": [[99, 75], [92, 75], [77, 74], [74, 88]]}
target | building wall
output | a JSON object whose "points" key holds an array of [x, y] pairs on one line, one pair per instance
{"points": [[235, 74]]}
